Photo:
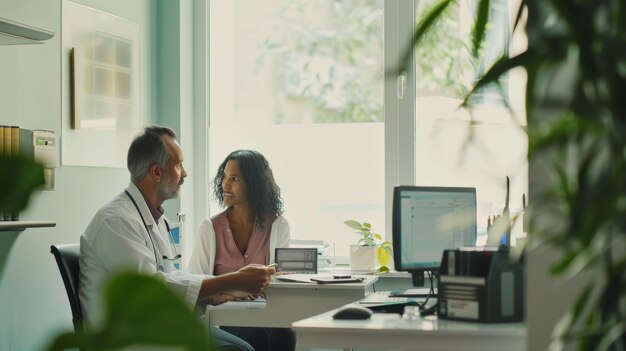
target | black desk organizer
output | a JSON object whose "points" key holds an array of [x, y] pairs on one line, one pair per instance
{"points": [[481, 285]]}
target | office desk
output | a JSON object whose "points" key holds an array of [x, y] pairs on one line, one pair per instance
{"points": [[390, 331], [288, 302], [393, 280]]}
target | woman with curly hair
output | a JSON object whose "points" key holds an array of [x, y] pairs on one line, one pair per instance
{"points": [[247, 232]]}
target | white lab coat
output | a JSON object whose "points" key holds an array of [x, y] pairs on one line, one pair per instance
{"points": [[116, 239], [203, 256]]}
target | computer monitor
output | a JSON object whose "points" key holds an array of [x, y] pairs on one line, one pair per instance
{"points": [[428, 220]]}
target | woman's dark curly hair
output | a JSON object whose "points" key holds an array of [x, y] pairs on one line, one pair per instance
{"points": [[263, 192]]}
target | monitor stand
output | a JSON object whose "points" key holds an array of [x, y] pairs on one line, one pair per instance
{"points": [[418, 278]]}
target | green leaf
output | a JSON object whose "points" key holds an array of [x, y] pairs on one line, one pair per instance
{"points": [[19, 177], [389, 249], [65, 341], [367, 225], [574, 314], [353, 224], [562, 264], [378, 236], [501, 66], [383, 256], [383, 269], [518, 16], [612, 337], [480, 26], [424, 27], [129, 296], [141, 310]]}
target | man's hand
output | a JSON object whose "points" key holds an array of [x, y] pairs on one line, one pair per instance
{"points": [[220, 298], [251, 279], [254, 278]]}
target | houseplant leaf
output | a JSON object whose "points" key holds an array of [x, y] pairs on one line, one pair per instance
{"points": [[425, 25], [480, 26], [141, 310], [383, 256], [19, 177], [353, 224]]}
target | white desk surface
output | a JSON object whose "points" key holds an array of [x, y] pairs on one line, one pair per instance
{"points": [[288, 302], [390, 331]]}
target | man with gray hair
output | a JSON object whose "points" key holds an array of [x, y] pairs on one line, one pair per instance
{"points": [[131, 233]]}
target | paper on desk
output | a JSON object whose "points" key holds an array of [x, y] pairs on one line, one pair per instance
{"points": [[296, 278], [258, 304]]}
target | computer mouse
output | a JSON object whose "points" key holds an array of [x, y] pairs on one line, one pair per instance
{"points": [[353, 311]]}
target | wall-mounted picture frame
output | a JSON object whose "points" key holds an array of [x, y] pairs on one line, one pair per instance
{"points": [[101, 66]]}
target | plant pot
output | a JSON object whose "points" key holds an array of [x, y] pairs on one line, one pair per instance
{"points": [[363, 258]]}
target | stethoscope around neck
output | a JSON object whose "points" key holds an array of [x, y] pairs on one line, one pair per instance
{"points": [[167, 226]]}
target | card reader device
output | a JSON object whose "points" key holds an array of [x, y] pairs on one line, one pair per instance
{"points": [[296, 260]]}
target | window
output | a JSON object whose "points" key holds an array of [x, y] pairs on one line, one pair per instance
{"points": [[458, 147], [304, 83]]}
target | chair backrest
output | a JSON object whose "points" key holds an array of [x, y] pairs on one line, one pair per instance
{"points": [[67, 259]]}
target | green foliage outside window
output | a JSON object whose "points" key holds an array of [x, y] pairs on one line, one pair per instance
{"points": [[332, 70], [337, 72]]}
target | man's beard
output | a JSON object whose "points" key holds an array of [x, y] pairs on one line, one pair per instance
{"points": [[168, 189]]}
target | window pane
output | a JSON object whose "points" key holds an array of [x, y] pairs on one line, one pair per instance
{"points": [[478, 148], [302, 83]]}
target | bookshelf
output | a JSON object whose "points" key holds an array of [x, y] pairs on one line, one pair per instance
{"points": [[22, 225], [15, 33]]}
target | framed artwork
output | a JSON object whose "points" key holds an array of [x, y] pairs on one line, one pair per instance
{"points": [[103, 112]]}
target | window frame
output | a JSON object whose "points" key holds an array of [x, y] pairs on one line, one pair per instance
{"points": [[399, 20], [399, 104]]}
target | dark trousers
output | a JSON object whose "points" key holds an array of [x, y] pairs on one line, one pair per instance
{"points": [[265, 339], [225, 341]]}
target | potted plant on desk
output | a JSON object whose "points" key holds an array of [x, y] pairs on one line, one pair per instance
{"points": [[370, 249]]}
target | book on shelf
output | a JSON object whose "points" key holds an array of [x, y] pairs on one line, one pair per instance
{"points": [[9, 147], [15, 152]]}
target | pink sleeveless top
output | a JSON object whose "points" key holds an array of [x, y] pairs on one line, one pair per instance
{"points": [[228, 258]]}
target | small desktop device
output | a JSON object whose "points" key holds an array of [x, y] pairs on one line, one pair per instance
{"points": [[427, 221], [296, 260]]}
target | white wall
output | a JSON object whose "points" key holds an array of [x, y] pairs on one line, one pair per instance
{"points": [[33, 304]]}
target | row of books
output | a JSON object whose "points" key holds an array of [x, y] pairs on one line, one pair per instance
{"points": [[9, 147]]}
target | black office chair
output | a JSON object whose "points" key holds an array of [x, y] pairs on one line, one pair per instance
{"points": [[67, 259]]}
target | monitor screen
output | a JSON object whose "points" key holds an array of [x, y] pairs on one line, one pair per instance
{"points": [[428, 220]]}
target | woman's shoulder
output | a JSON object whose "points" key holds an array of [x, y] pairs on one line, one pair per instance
{"points": [[280, 221], [218, 219], [218, 216], [209, 223]]}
